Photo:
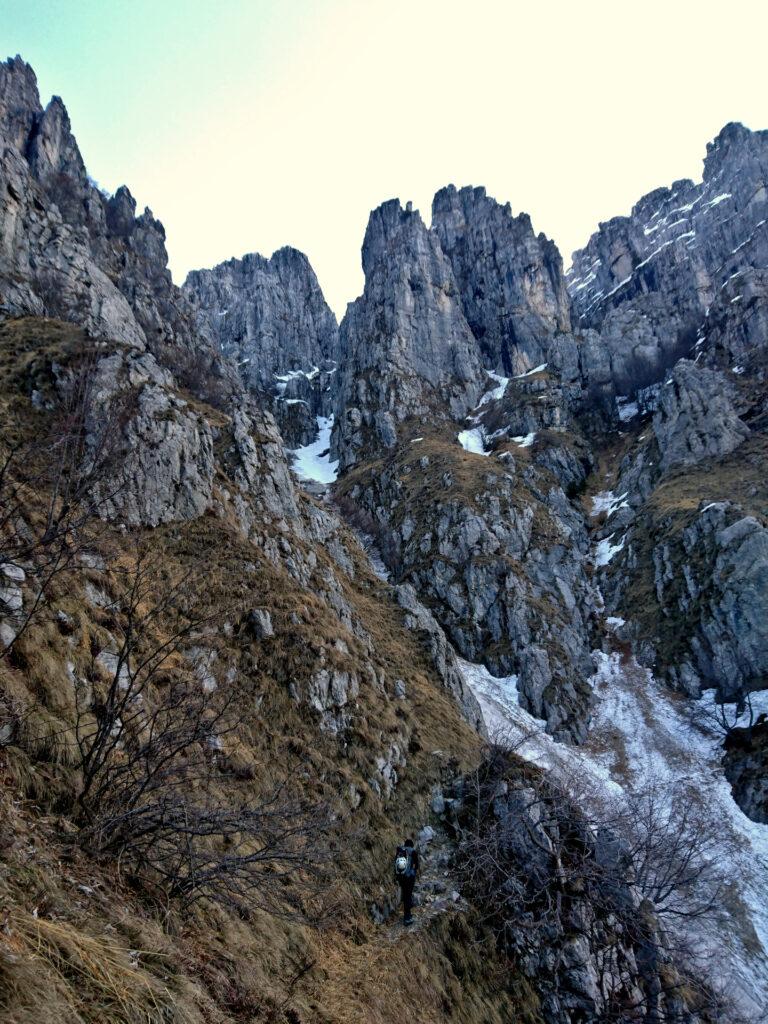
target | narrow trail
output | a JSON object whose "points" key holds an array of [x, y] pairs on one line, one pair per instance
{"points": [[378, 979], [359, 978], [437, 888]]}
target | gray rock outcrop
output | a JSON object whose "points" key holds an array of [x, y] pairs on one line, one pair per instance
{"points": [[710, 585], [168, 465], [666, 262], [420, 620], [696, 417], [70, 251], [407, 348], [510, 279], [268, 315], [588, 958], [735, 331], [746, 768], [496, 552]]}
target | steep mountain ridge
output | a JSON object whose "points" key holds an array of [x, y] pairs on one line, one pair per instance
{"points": [[646, 281], [71, 251], [270, 318], [266, 312]]}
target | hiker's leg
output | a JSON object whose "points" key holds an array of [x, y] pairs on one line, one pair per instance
{"points": [[408, 900]]}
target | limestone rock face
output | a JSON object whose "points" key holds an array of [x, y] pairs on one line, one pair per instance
{"points": [[497, 553], [696, 417], [587, 952], [70, 251], [269, 315], [733, 648], [155, 450], [511, 280], [710, 582], [419, 619], [734, 336], [640, 341], [169, 463], [407, 348], [261, 469], [19, 102], [46, 266], [536, 402], [667, 261]]}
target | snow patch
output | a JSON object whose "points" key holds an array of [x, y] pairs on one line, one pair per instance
{"points": [[641, 737], [738, 273], [495, 393], [605, 551], [606, 501], [499, 701], [508, 722], [749, 239], [283, 378], [473, 441], [313, 461], [530, 373], [626, 408]]}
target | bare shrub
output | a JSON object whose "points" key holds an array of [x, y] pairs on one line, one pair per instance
{"points": [[723, 718], [675, 856], [52, 489], [547, 873], [155, 790]]}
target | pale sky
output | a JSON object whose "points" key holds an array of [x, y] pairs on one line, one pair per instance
{"points": [[251, 124]]}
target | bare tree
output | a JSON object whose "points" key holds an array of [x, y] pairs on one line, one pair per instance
{"points": [[723, 717], [545, 871], [53, 488], [675, 855], [155, 791]]}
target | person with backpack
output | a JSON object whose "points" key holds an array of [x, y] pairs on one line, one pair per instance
{"points": [[406, 870]]}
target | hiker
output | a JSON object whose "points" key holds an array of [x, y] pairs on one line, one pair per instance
{"points": [[406, 869]]}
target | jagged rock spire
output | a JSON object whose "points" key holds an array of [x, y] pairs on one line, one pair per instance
{"points": [[511, 280], [408, 350]]}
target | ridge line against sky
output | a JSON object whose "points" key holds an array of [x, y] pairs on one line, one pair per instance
{"points": [[248, 125]]}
